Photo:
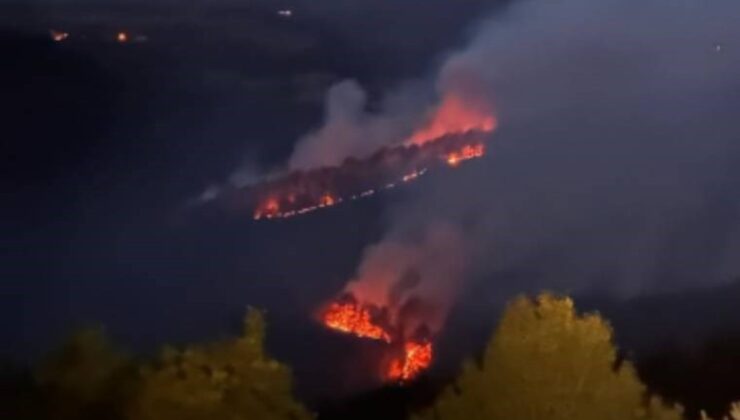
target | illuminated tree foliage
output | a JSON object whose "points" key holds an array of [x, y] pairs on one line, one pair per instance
{"points": [[547, 362], [87, 378], [231, 380]]}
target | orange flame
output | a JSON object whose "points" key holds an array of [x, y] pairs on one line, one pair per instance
{"points": [[269, 209], [327, 200], [454, 116], [355, 319], [454, 134], [352, 319], [466, 153], [282, 203], [417, 357]]}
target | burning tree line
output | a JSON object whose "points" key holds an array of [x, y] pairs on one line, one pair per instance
{"points": [[544, 361], [455, 131], [303, 192]]}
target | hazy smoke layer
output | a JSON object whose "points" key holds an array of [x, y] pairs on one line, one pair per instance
{"points": [[415, 275], [616, 160], [349, 130]]}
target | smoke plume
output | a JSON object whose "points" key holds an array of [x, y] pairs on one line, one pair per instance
{"points": [[406, 117], [349, 130], [613, 167], [415, 276]]}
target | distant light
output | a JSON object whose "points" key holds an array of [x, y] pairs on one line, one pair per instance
{"points": [[718, 47], [286, 13], [122, 37], [58, 36]]}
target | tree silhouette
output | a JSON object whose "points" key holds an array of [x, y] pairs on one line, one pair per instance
{"points": [[231, 380], [547, 362], [734, 413], [87, 378]]}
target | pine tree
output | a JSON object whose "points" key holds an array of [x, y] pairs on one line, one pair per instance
{"points": [[231, 380], [547, 362]]}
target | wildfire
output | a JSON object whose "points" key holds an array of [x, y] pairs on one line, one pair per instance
{"points": [[269, 209], [290, 200], [304, 192], [417, 357], [327, 200], [466, 153], [454, 116], [350, 317], [353, 319], [456, 133]]}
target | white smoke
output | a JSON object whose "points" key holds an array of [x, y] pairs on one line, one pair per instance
{"points": [[615, 164], [349, 130]]}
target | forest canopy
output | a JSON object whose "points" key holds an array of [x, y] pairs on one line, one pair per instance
{"points": [[544, 361]]}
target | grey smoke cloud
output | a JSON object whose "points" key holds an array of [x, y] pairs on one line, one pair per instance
{"points": [[351, 130], [614, 168], [348, 130], [420, 268]]}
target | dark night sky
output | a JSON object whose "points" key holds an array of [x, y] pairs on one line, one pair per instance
{"points": [[104, 146], [108, 143]]}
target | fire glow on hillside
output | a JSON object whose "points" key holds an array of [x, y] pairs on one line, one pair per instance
{"points": [[389, 301], [417, 358], [454, 134], [400, 297], [454, 116], [304, 192], [347, 316]]}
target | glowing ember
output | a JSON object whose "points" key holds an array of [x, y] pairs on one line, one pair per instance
{"points": [[58, 36], [122, 37], [352, 319], [327, 200], [454, 116], [413, 175], [417, 357], [466, 153], [269, 209]]}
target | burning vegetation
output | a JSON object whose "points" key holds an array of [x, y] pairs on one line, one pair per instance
{"points": [[416, 358], [466, 153], [400, 296], [411, 356], [454, 115], [455, 132], [350, 318], [388, 302], [302, 192]]}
